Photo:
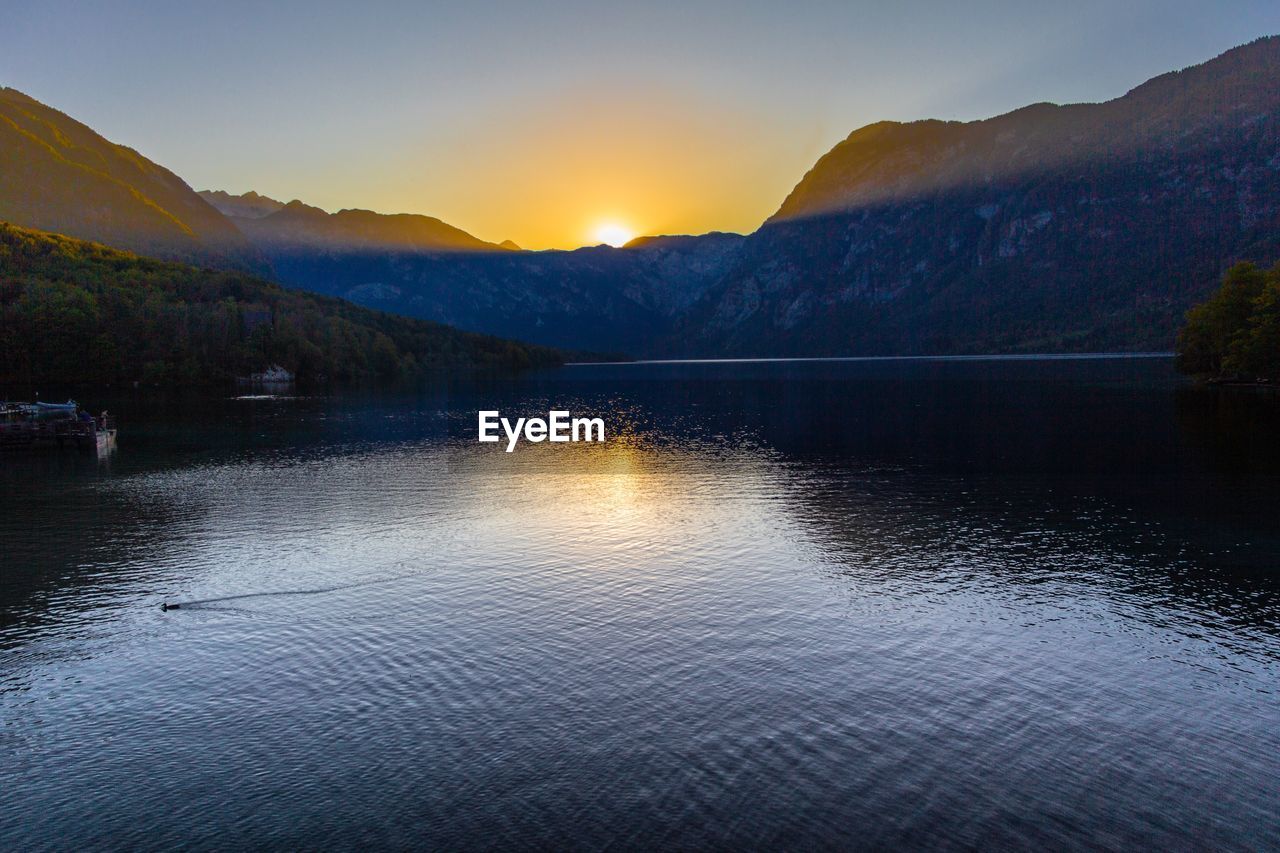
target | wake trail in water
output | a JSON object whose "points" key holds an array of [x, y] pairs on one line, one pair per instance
{"points": [[199, 603]]}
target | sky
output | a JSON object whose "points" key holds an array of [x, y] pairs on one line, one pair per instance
{"points": [[554, 123]]}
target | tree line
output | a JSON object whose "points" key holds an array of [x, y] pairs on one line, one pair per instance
{"points": [[73, 311], [1235, 334]]}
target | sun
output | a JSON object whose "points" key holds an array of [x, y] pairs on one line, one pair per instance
{"points": [[613, 234]]}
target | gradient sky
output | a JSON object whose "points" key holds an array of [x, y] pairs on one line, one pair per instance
{"points": [[539, 122]]}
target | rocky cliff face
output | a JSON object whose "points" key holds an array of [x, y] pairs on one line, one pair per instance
{"points": [[1090, 226], [58, 175]]}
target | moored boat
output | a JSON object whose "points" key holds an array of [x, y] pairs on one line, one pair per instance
{"points": [[27, 426]]}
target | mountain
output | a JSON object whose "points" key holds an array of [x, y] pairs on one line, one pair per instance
{"points": [[595, 298], [58, 175], [74, 311], [1081, 227], [1070, 228], [248, 205], [282, 228]]}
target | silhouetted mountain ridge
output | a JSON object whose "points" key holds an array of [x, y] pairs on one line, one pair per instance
{"points": [[248, 205], [276, 227]]}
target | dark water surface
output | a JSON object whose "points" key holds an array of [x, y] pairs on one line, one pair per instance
{"points": [[802, 605]]}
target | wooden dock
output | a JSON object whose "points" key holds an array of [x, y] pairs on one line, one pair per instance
{"points": [[27, 432]]}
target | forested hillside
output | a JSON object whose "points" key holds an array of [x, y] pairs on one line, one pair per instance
{"points": [[1235, 334], [73, 311]]}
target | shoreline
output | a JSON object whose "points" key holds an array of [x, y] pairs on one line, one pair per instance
{"points": [[1216, 382], [1048, 356]]}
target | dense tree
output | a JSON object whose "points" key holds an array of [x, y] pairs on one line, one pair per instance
{"points": [[72, 311], [1236, 332]]}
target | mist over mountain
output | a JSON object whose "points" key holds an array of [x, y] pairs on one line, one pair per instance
{"points": [[58, 175]]}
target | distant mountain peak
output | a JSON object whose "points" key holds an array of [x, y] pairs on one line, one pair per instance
{"points": [[676, 241], [248, 205], [299, 225], [300, 208]]}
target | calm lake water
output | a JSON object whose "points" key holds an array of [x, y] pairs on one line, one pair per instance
{"points": [[1009, 603]]}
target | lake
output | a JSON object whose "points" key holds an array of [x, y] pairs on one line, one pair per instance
{"points": [[832, 604]]}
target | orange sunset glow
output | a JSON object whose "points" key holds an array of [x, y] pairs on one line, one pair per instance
{"points": [[613, 234], [580, 169]]}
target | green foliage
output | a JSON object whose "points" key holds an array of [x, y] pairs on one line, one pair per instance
{"points": [[1236, 332], [72, 311]]}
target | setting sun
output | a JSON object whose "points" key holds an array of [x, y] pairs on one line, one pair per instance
{"points": [[613, 234]]}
